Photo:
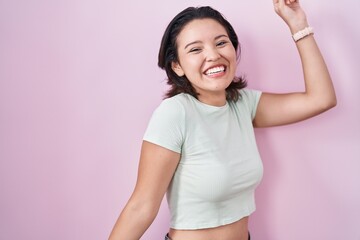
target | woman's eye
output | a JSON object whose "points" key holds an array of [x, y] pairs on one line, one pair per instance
{"points": [[222, 43], [195, 50]]}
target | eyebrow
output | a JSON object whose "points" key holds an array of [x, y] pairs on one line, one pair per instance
{"points": [[195, 42]]}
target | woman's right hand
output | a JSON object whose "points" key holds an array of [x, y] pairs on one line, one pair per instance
{"points": [[292, 13]]}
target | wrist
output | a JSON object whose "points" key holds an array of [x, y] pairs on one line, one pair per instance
{"points": [[294, 28], [307, 31]]}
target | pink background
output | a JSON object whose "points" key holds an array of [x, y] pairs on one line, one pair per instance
{"points": [[79, 81]]}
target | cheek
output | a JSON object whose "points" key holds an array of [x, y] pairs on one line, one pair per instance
{"points": [[232, 55], [192, 65], [233, 60]]}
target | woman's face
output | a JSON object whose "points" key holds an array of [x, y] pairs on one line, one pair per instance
{"points": [[206, 57]]}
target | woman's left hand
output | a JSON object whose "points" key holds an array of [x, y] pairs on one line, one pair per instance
{"points": [[292, 13]]}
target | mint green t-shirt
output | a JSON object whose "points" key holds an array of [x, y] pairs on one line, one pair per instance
{"points": [[220, 165]]}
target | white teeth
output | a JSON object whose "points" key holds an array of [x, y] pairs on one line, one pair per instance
{"points": [[215, 70]]}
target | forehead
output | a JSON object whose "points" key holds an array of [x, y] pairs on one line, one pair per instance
{"points": [[199, 30]]}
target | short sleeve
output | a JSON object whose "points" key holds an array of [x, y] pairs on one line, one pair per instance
{"points": [[251, 99], [166, 126]]}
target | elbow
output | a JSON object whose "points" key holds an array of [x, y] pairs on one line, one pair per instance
{"points": [[327, 104], [332, 102], [134, 220], [331, 99], [146, 211]]}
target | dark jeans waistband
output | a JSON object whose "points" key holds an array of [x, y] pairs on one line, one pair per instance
{"points": [[168, 238]]}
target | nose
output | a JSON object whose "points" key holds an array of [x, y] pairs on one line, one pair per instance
{"points": [[212, 54]]}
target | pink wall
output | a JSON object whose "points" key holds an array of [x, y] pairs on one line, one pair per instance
{"points": [[78, 83]]}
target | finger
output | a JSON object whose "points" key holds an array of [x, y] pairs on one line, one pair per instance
{"points": [[279, 5], [291, 1]]}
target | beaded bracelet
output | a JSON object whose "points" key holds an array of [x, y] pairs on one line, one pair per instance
{"points": [[303, 33]]}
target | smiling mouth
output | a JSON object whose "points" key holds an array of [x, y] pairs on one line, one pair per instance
{"points": [[215, 70]]}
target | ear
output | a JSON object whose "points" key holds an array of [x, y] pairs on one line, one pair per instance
{"points": [[177, 69]]}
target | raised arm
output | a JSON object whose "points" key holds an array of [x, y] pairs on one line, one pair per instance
{"points": [[319, 94], [156, 168]]}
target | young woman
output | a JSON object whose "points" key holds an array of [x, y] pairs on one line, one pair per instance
{"points": [[199, 146]]}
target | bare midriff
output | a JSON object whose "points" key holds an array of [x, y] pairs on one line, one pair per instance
{"points": [[234, 231]]}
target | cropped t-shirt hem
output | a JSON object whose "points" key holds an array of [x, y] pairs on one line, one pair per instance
{"points": [[214, 224]]}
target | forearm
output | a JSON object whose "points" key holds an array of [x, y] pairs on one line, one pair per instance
{"points": [[319, 90], [133, 221], [318, 83], [319, 94], [152, 182]]}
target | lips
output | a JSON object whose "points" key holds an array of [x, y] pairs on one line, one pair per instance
{"points": [[215, 70]]}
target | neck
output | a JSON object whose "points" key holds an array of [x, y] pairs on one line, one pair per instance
{"points": [[217, 100]]}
